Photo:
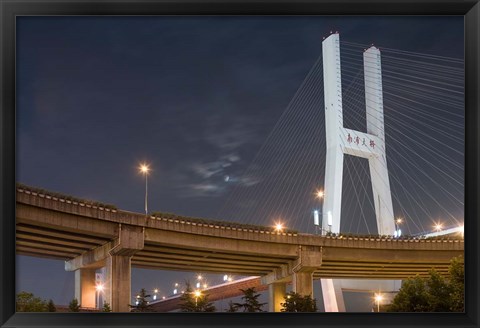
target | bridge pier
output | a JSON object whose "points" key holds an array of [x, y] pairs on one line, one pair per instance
{"points": [[276, 293], [118, 282], [303, 282], [116, 257], [85, 287]]}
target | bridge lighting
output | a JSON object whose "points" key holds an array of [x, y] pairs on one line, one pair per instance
{"points": [[316, 218], [205, 285], [144, 168], [278, 227], [438, 227], [230, 279], [199, 277], [175, 291], [225, 277], [330, 219], [155, 290], [163, 297], [176, 284], [154, 297], [198, 285], [461, 229], [320, 194], [398, 220]]}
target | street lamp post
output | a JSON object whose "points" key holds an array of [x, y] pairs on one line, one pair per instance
{"points": [[98, 289], [398, 231], [197, 295], [144, 169], [378, 299]]}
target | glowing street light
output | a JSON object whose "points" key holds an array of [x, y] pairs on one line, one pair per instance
{"points": [[378, 299], [98, 289], [144, 169], [398, 231], [461, 230], [438, 227], [320, 194], [199, 277], [318, 214], [197, 295]]}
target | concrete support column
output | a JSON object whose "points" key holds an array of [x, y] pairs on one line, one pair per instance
{"points": [[118, 282], [276, 296], [85, 287], [303, 283]]}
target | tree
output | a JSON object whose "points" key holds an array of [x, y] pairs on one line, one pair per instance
{"points": [[433, 294], [74, 306], [106, 307], [195, 301], [27, 302], [141, 302], [250, 301], [231, 307], [439, 291], [51, 306], [295, 302], [412, 297], [456, 272]]}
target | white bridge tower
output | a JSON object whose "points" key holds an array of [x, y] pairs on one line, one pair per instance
{"points": [[340, 141]]}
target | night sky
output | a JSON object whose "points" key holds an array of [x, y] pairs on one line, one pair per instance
{"points": [[196, 98]]}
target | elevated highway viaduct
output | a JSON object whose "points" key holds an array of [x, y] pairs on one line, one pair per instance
{"points": [[89, 236]]}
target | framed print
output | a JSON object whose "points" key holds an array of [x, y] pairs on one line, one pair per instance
{"points": [[201, 163]]}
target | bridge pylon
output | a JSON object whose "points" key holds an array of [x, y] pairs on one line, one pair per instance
{"points": [[341, 141]]}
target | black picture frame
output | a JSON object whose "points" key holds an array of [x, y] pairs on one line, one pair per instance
{"points": [[9, 9]]}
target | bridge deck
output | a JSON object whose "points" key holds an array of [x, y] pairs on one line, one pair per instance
{"points": [[65, 228]]}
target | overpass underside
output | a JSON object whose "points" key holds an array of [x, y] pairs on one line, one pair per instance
{"points": [[60, 244]]}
